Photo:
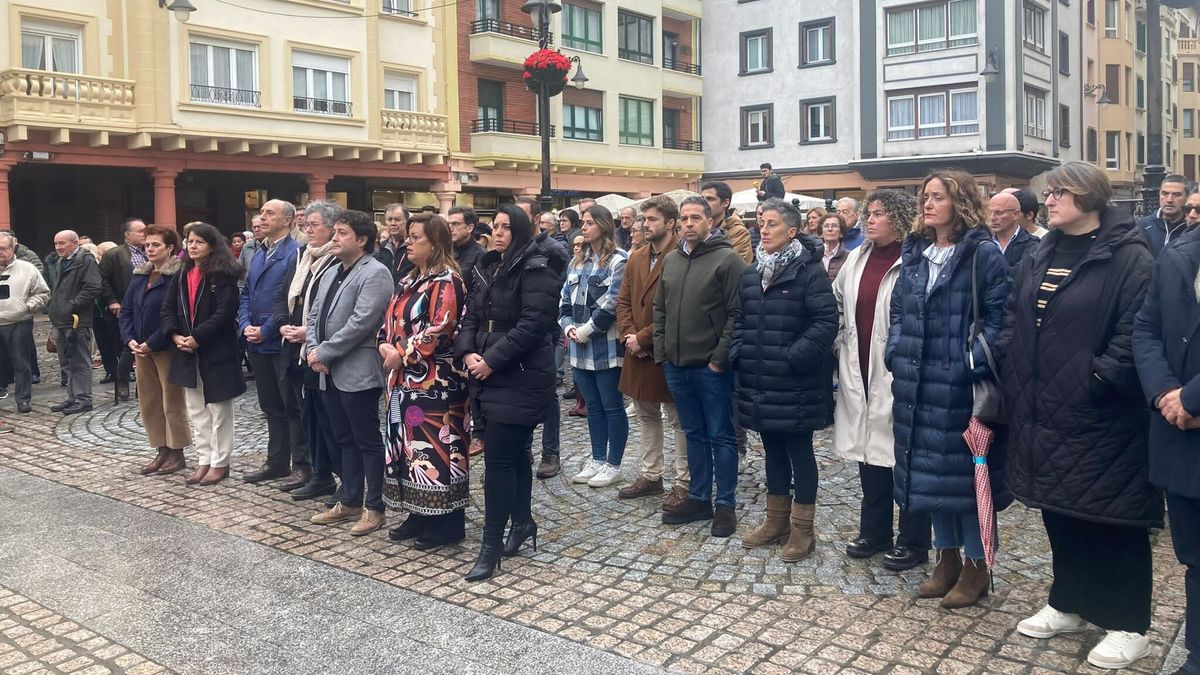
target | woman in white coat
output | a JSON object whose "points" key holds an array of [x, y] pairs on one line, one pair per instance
{"points": [[862, 430]]}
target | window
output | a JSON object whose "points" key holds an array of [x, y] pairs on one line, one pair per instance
{"points": [[1064, 53], [1112, 19], [637, 122], [635, 37], [1189, 76], [1112, 82], [50, 46], [1141, 93], [817, 121], [1064, 126], [901, 118], [402, 7], [1141, 36], [816, 43], [756, 126], [1189, 123], [582, 28], [491, 104], [583, 123], [1091, 15], [670, 128], [399, 92], [756, 52], [930, 27], [223, 73], [937, 114], [1091, 144], [1035, 113], [320, 84], [487, 9], [1035, 27], [1112, 150], [1141, 148]]}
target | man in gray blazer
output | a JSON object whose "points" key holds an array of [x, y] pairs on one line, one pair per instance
{"points": [[342, 328]]}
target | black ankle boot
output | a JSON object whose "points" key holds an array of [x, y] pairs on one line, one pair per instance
{"points": [[488, 562], [518, 535]]}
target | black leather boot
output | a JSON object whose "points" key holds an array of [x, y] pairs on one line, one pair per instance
{"points": [[489, 560], [518, 535]]}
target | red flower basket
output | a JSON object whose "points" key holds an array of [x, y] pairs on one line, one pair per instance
{"points": [[546, 67]]}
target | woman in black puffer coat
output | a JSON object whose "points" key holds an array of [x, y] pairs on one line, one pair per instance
{"points": [[1078, 421], [782, 353], [933, 370], [505, 341]]}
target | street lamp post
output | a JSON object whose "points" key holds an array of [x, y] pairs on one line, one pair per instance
{"points": [[540, 12]]}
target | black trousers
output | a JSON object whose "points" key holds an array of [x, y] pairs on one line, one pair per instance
{"points": [[287, 445], [107, 334], [1102, 572], [323, 451], [877, 508], [790, 464], [1184, 514], [507, 479], [354, 417]]}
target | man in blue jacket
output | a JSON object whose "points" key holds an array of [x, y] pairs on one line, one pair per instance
{"points": [[1166, 349], [1168, 222], [287, 447]]}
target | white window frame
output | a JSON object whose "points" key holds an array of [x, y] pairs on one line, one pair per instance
{"points": [[1035, 27], [211, 45], [400, 7], [1112, 156], [322, 65], [902, 132], [1112, 19], [49, 32], [967, 127], [930, 130], [821, 35], [827, 122], [948, 40], [396, 84], [1035, 113], [762, 118], [763, 40]]}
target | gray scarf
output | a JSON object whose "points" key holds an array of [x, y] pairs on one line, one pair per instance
{"points": [[770, 263]]}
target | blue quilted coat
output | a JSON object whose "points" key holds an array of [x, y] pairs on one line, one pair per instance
{"points": [[927, 354]]}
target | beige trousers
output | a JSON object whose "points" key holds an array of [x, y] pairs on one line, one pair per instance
{"points": [[164, 412], [650, 418], [212, 424]]}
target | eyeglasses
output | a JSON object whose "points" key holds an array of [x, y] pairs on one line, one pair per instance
{"points": [[1057, 192], [1194, 208]]}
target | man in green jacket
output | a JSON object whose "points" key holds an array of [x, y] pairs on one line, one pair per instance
{"points": [[693, 326]]}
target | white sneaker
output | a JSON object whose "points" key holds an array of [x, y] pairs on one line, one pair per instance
{"points": [[1119, 649], [590, 469], [1049, 622], [608, 475]]}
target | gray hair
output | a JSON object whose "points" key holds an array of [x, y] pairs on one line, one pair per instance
{"points": [[328, 211], [10, 236], [788, 212], [289, 209], [852, 200], [397, 205], [701, 201]]}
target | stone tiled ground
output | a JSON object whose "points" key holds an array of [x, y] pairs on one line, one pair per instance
{"points": [[609, 574], [36, 641]]}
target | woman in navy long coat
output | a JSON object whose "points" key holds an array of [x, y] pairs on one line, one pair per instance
{"points": [[934, 368]]}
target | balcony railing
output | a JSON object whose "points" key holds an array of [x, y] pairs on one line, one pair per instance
{"points": [[681, 66], [423, 131], [678, 144], [321, 106], [1188, 45], [244, 97], [508, 127], [65, 86], [505, 28]]}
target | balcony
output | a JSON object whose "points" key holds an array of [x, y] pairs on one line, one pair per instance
{"points": [[321, 106], [202, 93], [500, 43], [507, 143], [1187, 46], [486, 126], [681, 77], [419, 131], [677, 144], [63, 102], [681, 66]]}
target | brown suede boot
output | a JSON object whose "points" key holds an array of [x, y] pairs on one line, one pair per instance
{"points": [[197, 475], [175, 462], [156, 463], [945, 575], [803, 539], [775, 527], [972, 585]]}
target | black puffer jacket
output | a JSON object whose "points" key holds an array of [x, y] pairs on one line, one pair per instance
{"points": [[782, 348], [1078, 422], [510, 321]]}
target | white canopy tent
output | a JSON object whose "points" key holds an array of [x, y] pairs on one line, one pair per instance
{"points": [[676, 195], [612, 201], [747, 200]]}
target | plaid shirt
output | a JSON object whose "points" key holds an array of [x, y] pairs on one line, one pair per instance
{"points": [[589, 303], [137, 257]]}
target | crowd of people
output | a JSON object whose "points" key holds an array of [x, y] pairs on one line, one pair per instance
{"points": [[941, 317]]}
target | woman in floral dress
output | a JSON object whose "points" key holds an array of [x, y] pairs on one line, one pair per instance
{"points": [[426, 406]]}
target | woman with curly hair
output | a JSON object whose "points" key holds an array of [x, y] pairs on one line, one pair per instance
{"points": [[950, 271], [862, 430]]}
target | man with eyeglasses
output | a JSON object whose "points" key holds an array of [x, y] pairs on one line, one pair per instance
{"points": [[1161, 227], [1004, 221]]}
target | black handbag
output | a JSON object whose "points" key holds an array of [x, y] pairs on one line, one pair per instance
{"points": [[988, 405]]}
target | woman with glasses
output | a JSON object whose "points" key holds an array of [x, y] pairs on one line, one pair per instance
{"points": [[950, 268], [833, 231], [1077, 421], [568, 227]]}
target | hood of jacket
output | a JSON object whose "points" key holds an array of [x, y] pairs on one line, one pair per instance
{"points": [[169, 270], [717, 240]]}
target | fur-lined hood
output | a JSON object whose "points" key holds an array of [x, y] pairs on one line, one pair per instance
{"points": [[169, 270]]}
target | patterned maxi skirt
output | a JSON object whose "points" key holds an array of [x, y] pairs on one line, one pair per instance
{"points": [[426, 451]]}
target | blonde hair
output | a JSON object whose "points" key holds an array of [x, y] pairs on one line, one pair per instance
{"points": [[608, 238], [970, 212], [437, 231]]}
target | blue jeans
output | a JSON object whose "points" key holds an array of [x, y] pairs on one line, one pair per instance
{"points": [[959, 530], [608, 425], [704, 401]]}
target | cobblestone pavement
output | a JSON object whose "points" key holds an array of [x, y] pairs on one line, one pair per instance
{"points": [[609, 575]]}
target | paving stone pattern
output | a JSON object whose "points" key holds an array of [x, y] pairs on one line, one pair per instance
{"points": [[607, 572]]}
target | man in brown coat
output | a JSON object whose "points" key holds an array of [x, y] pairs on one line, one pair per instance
{"points": [[719, 196], [641, 378]]}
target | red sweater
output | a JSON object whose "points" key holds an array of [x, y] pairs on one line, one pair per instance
{"points": [[879, 261]]}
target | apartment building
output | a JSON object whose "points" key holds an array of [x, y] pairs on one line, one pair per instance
{"points": [[842, 97], [111, 109], [1188, 57], [633, 129]]}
